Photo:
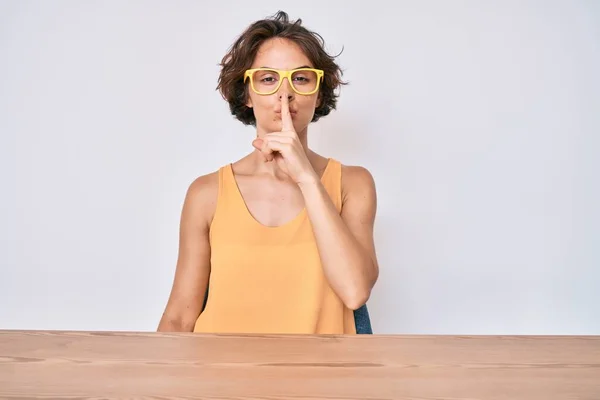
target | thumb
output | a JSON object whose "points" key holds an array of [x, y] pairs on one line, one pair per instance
{"points": [[257, 143]]}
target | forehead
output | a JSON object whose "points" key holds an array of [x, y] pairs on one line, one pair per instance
{"points": [[281, 54]]}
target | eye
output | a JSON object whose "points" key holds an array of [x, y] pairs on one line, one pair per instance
{"points": [[266, 77], [304, 77]]}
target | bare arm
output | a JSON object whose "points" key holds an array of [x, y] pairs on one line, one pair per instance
{"points": [[193, 263], [345, 241]]}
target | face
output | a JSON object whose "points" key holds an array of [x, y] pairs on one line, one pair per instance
{"points": [[281, 54]]}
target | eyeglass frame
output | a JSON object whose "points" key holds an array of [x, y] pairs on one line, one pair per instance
{"points": [[283, 74]]}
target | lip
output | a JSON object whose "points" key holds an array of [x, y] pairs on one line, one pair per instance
{"points": [[291, 112]]}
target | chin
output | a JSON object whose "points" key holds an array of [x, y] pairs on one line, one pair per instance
{"points": [[270, 127]]}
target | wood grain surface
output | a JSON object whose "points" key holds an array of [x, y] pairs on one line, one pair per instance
{"points": [[78, 365]]}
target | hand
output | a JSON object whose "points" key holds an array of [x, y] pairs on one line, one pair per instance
{"points": [[286, 150]]}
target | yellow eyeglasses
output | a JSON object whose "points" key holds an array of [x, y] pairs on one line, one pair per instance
{"points": [[265, 81]]}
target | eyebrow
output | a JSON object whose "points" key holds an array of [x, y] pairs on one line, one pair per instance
{"points": [[304, 66]]}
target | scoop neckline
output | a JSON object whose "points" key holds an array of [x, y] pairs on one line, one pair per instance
{"points": [[299, 216]]}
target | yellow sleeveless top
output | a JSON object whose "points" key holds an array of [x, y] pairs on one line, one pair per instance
{"points": [[269, 279]]}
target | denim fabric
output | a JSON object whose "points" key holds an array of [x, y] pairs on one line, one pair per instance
{"points": [[363, 321]]}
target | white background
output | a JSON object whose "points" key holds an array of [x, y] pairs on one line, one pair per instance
{"points": [[478, 119]]}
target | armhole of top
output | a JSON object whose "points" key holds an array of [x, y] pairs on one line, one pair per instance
{"points": [[339, 180], [221, 185]]}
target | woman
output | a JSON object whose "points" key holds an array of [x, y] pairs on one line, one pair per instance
{"points": [[284, 236]]}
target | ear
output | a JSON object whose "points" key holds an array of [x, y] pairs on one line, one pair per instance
{"points": [[319, 98]]}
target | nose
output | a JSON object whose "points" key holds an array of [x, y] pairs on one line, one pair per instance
{"points": [[286, 90]]}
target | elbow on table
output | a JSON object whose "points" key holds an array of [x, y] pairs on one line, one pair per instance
{"points": [[176, 323]]}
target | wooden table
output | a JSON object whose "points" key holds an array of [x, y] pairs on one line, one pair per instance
{"points": [[46, 364]]}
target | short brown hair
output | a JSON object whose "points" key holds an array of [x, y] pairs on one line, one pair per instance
{"points": [[241, 54]]}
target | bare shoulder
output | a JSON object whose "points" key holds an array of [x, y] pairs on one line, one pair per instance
{"points": [[357, 181], [201, 197], [205, 185]]}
